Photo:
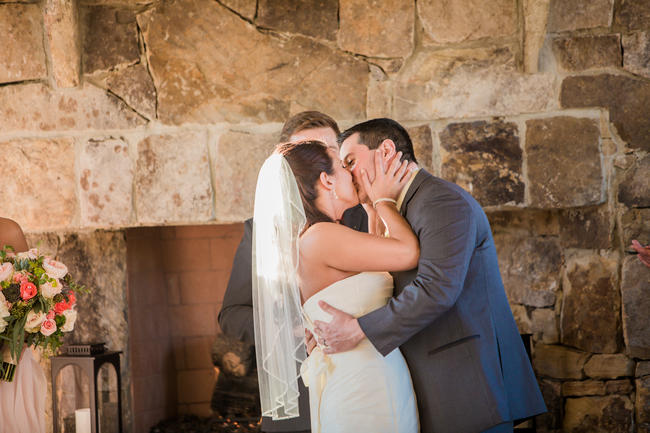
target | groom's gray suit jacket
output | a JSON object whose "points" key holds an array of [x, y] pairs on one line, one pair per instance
{"points": [[452, 320]]}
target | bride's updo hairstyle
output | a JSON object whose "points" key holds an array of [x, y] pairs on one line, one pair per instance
{"points": [[308, 159]]}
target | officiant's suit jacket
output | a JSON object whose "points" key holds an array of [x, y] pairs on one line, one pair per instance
{"points": [[236, 315], [452, 320]]}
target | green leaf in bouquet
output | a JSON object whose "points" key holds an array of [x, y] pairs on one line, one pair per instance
{"points": [[59, 320], [74, 286], [42, 304], [3, 253], [21, 264], [18, 338]]}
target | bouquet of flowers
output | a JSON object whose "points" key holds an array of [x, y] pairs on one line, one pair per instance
{"points": [[37, 300]]}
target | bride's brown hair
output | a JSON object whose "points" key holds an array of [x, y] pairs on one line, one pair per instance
{"points": [[308, 159]]}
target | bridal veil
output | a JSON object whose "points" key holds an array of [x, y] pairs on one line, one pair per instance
{"points": [[279, 218]]}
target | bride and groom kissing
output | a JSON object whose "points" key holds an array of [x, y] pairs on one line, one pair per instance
{"points": [[431, 346]]}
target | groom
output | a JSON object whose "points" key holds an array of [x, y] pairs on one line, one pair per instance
{"points": [[450, 316]]}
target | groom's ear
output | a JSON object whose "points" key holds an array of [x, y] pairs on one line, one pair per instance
{"points": [[387, 149]]}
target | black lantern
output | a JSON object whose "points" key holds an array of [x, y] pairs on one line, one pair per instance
{"points": [[96, 408]]}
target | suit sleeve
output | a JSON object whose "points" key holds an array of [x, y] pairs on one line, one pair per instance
{"points": [[446, 229], [236, 315]]}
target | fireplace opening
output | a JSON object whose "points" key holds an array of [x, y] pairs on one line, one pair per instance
{"points": [[177, 277]]}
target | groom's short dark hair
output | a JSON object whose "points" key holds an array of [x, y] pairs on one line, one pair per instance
{"points": [[307, 120], [373, 132]]}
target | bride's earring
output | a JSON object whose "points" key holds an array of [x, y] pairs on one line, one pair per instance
{"points": [[336, 197]]}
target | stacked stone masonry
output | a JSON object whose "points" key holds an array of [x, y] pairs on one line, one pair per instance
{"points": [[116, 114]]}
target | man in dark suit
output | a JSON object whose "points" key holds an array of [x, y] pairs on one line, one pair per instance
{"points": [[236, 315], [450, 316]]}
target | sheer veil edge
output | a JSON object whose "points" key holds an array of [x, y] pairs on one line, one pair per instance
{"points": [[278, 220]]}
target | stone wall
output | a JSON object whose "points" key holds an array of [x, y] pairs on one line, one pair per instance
{"points": [[127, 113]]}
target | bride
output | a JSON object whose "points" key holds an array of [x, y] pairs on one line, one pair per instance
{"points": [[302, 256], [22, 401]]}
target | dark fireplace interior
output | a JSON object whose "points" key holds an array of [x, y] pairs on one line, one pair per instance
{"points": [[177, 277]]}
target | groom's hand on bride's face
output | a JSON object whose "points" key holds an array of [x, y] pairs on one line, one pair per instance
{"points": [[341, 334]]}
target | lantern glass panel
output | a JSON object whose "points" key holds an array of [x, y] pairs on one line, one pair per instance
{"points": [[107, 398], [72, 394]]}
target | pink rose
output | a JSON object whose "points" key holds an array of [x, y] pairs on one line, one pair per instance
{"points": [[21, 277], [51, 289], [50, 315], [54, 269], [27, 290], [72, 299], [6, 271], [48, 327]]}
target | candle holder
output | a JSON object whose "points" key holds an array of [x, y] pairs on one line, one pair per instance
{"points": [[88, 360]]}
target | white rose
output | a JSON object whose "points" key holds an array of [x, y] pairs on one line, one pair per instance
{"points": [[51, 289], [34, 321], [6, 271], [32, 254], [54, 269], [70, 317], [3, 305], [4, 312]]}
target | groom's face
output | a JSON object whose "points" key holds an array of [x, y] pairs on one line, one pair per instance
{"points": [[355, 157]]}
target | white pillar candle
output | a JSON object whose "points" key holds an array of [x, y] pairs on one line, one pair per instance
{"points": [[82, 420]]}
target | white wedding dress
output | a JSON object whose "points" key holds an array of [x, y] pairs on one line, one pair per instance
{"points": [[22, 401], [360, 390]]}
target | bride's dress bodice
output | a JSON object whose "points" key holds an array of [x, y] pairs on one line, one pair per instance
{"points": [[357, 295], [359, 390]]}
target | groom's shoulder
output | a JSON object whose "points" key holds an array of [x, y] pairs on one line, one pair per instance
{"points": [[435, 188]]}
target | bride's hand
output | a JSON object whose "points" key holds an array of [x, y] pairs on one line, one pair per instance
{"points": [[388, 183]]}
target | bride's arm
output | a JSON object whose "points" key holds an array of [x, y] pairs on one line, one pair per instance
{"points": [[375, 225], [348, 250]]}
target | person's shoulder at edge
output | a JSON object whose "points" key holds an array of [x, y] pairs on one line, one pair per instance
{"points": [[9, 224], [12, 234]]}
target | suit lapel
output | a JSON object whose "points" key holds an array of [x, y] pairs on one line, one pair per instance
{"points": [[419, 179]]}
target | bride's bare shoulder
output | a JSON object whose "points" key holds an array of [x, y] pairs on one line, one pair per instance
{"points": [[320, 232], [12, 234]]}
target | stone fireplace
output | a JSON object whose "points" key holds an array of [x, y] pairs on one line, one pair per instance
{"points": [[131, 133]]}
